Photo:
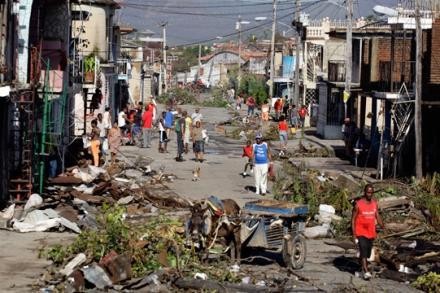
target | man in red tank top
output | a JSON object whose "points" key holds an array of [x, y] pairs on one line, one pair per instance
{"points": [[363, 224]]}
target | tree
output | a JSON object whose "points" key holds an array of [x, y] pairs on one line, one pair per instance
{"points": [[254, 85], [188, 57]]}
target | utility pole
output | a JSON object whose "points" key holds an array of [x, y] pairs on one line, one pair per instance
{"points": [[348, 54], [142, 84], [298, 42], [200, 57], [164, 37], [418, 94], [272, 48], [238, 27]]}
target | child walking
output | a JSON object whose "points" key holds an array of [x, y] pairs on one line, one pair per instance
{"points": [[282, 128], [248, 154], [163, 138]]}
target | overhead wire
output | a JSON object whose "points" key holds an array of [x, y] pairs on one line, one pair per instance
{"points": [[205, 6], [249, 29], [226, 36], [174, 12]]}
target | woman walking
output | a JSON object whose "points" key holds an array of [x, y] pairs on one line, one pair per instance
{"points": [[199, 143], [114, 140], [95, 142]]}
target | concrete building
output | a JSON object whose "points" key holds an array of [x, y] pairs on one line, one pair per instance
{"points": [[213, 70], [95, 51], [382, 92], [144, 53], [43, 46], [8, 77]]}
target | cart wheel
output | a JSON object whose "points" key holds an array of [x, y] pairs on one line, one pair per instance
{"points": [[294, 252]]}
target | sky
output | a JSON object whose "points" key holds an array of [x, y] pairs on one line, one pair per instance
{"points": [[203, 21]]}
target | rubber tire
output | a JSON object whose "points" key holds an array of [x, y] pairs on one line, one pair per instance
{"points": [[297, 256]]}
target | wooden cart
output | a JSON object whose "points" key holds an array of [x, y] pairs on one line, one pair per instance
{"points": [[276, 226]]}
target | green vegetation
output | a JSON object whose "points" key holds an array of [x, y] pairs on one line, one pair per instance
{"points": [[427, 197], [218, 99], [188, 57], [157, 243], [296, 185], [215, 102], [89, 63], [253, 85], [428, 283], [180, 95]]}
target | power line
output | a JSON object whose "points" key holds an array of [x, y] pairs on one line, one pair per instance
{"points": [[249, 29], [203, 6], [173, 12]]}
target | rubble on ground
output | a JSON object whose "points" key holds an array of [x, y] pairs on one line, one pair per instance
{"points": [[409, 248], [132, 233], [72, 200]]}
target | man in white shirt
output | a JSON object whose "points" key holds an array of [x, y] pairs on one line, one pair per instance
{"points": [[196, 116], [102, 133], [122, 123], [107, 119]]}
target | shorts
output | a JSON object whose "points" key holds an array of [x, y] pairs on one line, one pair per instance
{"points": [[365, 246], [283, 135], [163, 136], [199, 146], [187, 137]]}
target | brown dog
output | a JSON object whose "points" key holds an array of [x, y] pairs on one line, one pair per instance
{"points": [[196, 174]]}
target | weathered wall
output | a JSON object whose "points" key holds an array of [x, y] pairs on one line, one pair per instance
{"points": [[94, 30], [434, 76]]}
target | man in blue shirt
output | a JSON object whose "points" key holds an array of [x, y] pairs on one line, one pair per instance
{"points": [[261, 159], [168, 121]]}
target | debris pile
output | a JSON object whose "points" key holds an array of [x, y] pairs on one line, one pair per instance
{"points": [[131, 235], [408, 247], [152, 256]]}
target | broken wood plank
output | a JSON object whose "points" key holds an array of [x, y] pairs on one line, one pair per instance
{"points": [[65, 180], [393, 202], [101, 187], [93, 199], [407, 233]]}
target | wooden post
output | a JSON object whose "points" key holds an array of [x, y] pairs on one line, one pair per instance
{"points": [[348, 54], [272, 48], [418, 94], [296, 99], [239, 54], [165, 77]]}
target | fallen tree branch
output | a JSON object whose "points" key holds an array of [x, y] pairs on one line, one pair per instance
{"points": [[407, 233], [252, 258]]}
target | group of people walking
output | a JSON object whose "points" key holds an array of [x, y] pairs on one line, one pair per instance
{"points": [[188, 131], [104, 138], [137, 126]]}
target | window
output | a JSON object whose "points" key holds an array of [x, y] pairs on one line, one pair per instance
{"points": [[384, 71], [336, 71], [80, 15], [335, 107]]}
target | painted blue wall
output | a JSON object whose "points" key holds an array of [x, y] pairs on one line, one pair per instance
{"points": [[288, 65]]}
